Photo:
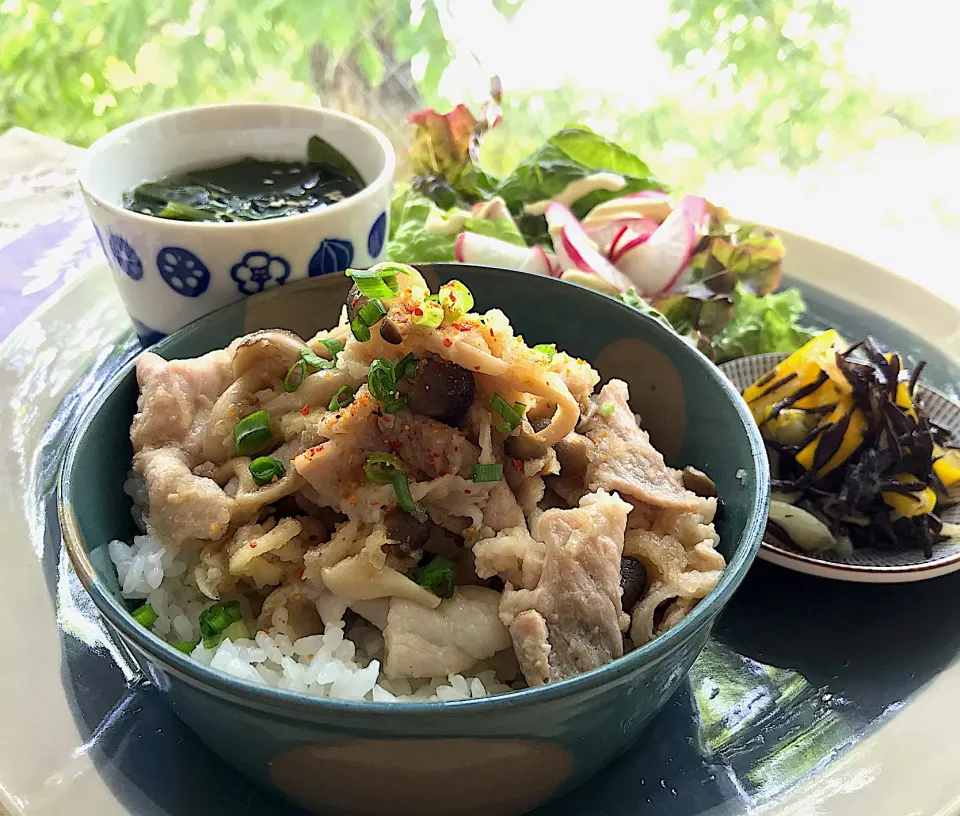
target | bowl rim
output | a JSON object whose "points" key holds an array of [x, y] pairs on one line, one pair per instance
{"points": [[251, 694], [103, 145]]}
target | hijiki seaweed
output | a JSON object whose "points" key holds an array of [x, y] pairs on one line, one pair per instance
{"points": [[850, 443]]}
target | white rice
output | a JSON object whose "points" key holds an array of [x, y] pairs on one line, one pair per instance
{"points": [[338, 663]]}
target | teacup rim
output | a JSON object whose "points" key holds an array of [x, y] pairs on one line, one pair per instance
{"points": [[109, 140]]}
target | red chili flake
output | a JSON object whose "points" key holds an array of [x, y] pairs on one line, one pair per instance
{"points": [[305, 410], [457, 449], [396, 444], [374, 503], [467, 492], [491, 332], [476, 368], [253, 545], [517, 465], [265, 631], [653, 388], [442, 473], [418, 311], [447, 342]]}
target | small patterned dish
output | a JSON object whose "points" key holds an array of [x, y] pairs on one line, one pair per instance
{"points": [[170, 273], [863, 565]]}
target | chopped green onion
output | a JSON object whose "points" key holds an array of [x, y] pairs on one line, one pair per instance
{"points": [[401, 486], [436, 575], [384, 468], [145, 615], [456, 299], [360, 330], [312, 359], [379, 466], [218, 618], [342, 398], [236, 631], [372, 312], [295, 375], [488, 473], [185, 646], [266, 469], [547, 348], [607, 409], [407, 367], [432, 299], [251, 434], [333, 345], [382, 382], [432, 315], [511, 414], [212, 641], [378, 282]]}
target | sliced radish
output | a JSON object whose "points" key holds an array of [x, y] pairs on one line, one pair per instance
{"points": [[539, 262], [471, 247], [575, 249], [491, 210], [615, 234], [628, 240], [655, 265]]}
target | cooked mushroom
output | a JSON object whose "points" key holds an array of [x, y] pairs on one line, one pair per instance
{"points": [[390, 332], [266, 355], [696, 481], [633, 582], [441, 390], [573, 453], [405, 530], [355, 302], [525, 445]]}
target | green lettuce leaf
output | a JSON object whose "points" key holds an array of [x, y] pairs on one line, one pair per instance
{"points": [[762, 324], [411, 242], [571, 154]]}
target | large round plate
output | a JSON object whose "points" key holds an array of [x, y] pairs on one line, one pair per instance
{"points": [[864, 565], [811, 696]]}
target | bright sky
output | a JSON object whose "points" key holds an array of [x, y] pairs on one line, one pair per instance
{"points": [[898, 204], [905, 47]]}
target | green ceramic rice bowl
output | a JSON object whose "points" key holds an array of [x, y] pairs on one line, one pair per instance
{"points": [[498, 755]]}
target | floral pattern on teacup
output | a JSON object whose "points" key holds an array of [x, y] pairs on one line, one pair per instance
{"points": [[258, 270]]}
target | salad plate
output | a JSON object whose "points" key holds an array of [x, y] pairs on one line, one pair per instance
{"points": [[869, 564], [784, 712]]}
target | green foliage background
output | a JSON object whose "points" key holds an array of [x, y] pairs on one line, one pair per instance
{"points": [[767, 76]]}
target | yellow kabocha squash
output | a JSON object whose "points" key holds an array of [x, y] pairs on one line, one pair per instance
{"points": [[807, 363], [852, 438], [910, 504]]}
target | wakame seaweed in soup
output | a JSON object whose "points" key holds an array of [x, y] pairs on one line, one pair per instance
{"points": [[251, 189]]}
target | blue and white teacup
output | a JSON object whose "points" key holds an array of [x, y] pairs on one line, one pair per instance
{"points": [[169, 273]]}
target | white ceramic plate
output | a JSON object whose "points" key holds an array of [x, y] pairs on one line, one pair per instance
{"points": [[83, 735], [864, 565]]}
